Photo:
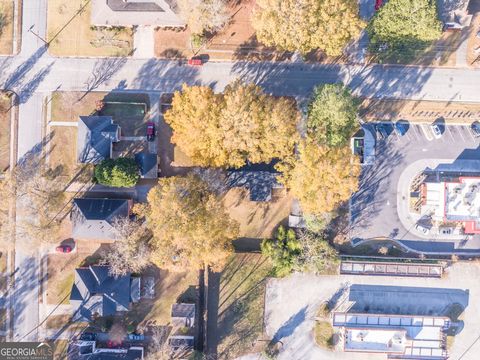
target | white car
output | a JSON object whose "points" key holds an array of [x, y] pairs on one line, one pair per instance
{"points": [[422, 229], [436, 130]]}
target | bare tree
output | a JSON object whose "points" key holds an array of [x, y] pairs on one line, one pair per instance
{"points": [[130, 252], [317, 255], [203, 15], [35, 191]]}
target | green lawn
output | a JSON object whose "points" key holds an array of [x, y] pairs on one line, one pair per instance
{"points": [[241, 304]]}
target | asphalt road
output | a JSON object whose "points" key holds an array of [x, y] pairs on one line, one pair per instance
{"points": [[33, 74], [374, 212]]}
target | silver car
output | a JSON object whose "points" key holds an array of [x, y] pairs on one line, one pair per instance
{"points": [[437, 132]]}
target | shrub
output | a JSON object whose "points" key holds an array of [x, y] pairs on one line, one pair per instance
{"points": [[283, 250], [121, 172]]}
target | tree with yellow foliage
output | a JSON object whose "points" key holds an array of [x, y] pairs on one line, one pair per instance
{"points": [[322, 177], [227, 130], [305, 25], [190, 227]]}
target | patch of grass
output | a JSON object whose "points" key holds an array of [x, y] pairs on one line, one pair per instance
{"points": [[324, 334], [450, 341], [3, 262], [5, 116], [241, 303], [71, 34], [63, 148], [169, 286], [3, 319], [257, 220], [61, 348], [6, 27], [57, 321], [66, 105]]}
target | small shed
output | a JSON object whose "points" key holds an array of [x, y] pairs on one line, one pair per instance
{"points": [[183, 315]]}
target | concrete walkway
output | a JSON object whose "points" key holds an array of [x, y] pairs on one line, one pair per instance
{"points": [[143, 42]]}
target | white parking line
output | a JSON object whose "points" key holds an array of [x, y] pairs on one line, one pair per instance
{"points": [[418, 134], [426, 132], [460, 131], [447, 129], [470, 132]]}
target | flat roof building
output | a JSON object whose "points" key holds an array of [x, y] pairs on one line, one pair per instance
{"points": [[456, 201], [408, 336]]}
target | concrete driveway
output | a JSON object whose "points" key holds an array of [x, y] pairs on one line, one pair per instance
{"points": [[374, 207], [292, 303]]}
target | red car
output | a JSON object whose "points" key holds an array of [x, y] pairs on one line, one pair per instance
{"points": [[378, 4], [64, 249], [195, 61], [150, 131]]}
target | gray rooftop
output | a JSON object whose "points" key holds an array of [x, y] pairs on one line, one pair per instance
{"points": [[260, 183], [135, 12], [95, 137], [183, 310], [148, 165], [95, 291], [94, 218]]}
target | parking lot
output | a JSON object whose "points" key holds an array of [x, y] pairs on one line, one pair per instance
{"points": [[292, 304], [374, 208]]}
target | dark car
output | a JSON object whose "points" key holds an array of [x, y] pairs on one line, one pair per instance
{"points": [[64, 249], [150, 131], [88, 336], [476, 129]]}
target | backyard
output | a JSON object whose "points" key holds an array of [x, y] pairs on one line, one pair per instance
{"points": [[257, 219], [6, 27], [169, 287], [5, 116], [70, 33], [240, 305]]}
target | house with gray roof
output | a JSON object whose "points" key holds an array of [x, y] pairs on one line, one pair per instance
{"points": [[95, 137], [259, 179], [96, 293], [158, 13], [94, 219]]}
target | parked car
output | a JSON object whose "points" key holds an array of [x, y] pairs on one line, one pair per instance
{"points": [[136, 337], [114, 344], [422, 229], [64, 249], [150, 131], [378, 4], [195, 61], [437, 132], [88, 336], [476, 129]]}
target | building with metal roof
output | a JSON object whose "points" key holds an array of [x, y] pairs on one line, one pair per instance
{"points": [[95, 136], [94, 218]]}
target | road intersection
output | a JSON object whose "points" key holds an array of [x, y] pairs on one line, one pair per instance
{"points": [[33, 74]]}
